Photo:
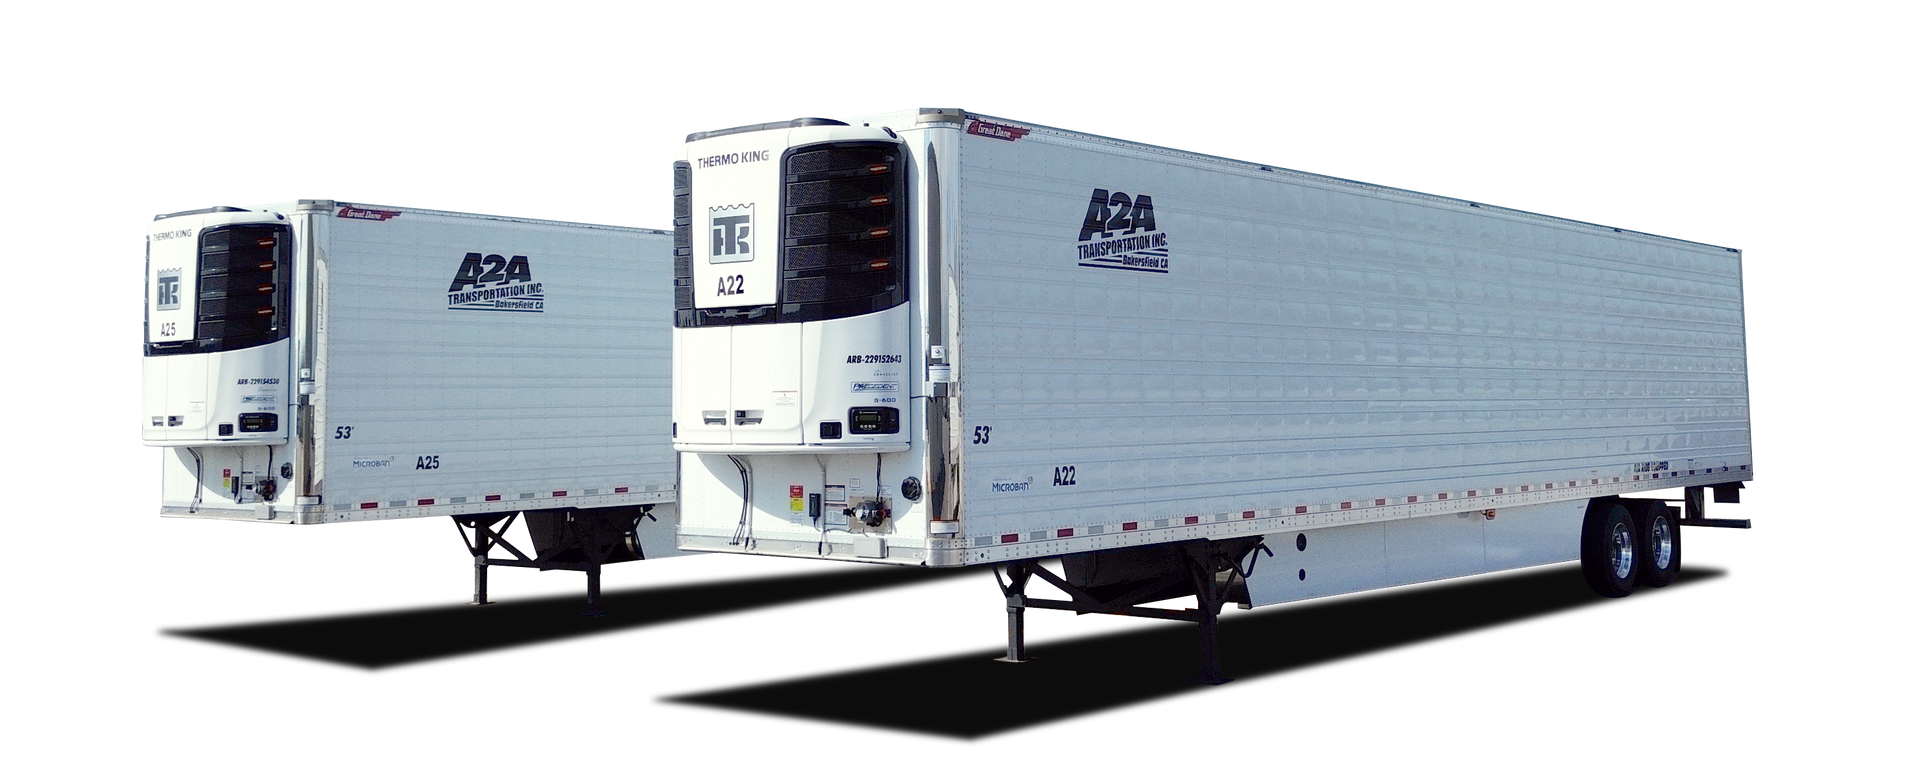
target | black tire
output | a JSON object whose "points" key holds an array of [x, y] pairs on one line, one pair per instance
{"points": [[1659, 529], [1609, 548]]}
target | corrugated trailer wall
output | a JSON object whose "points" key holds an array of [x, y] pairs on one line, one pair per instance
{"points": [[563, 402], [1314, 343]]}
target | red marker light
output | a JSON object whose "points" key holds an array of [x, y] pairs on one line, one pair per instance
{"points": [[878, 168], [880, 232], [880, 264], [879, 200]]}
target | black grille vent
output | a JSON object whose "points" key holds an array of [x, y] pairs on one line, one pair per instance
{"points": [[838, 254], [847, 193], [843, 231], [851, 225], [682, 243], [834, 288], [841, 159]]}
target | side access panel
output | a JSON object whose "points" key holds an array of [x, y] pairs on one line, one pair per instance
{"points": [[1362, 557]]}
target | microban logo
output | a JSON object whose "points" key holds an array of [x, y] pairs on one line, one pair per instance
{"points": [[732, 230], [496, 283], [1119, 233]]}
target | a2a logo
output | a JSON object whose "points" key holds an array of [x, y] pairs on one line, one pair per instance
{"points": [[1111, 213], [477, 270]]}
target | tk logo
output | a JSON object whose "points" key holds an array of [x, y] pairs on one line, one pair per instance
{"points": [[732, 230]]}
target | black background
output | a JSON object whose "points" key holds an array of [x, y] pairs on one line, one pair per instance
{"points": [[367, 623]]}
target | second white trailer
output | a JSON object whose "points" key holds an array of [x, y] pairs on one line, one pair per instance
{"points": [[321, 361]]}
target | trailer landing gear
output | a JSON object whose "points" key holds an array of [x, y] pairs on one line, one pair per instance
{"points": [[1116, 582], [568, 539]]}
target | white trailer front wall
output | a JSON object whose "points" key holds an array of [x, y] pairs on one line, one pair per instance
{"points": [[452, 364], [1304, 351], [753, 399]]}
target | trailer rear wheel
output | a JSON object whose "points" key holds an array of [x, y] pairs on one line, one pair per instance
{"points": [[1609, 548], [1659, 545]]}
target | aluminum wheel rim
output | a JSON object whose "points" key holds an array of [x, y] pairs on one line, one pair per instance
{"points": [[1622, 552], [1662, 543]]}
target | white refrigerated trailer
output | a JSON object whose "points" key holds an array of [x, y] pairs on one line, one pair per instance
{"points": [[939, 338], [320, 361]]}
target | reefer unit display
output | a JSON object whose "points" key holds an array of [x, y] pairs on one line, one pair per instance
{"points": [[939, 338], [320, 361]]}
